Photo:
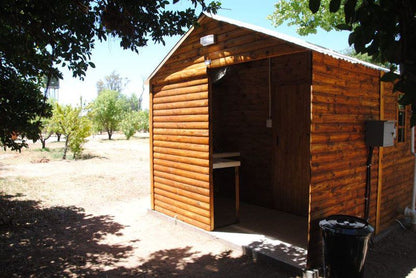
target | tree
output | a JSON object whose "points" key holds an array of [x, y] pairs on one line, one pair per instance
{"points": [[79, 136], [384, 30], [73, 126], [113, 82], [37, 37], [21, 105], [297, 13], [46, 131], [107, 110], [143, 124], [129, 124]]}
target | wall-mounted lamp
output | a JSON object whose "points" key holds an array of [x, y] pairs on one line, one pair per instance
{"points": [[208, 62], [207, 40]]}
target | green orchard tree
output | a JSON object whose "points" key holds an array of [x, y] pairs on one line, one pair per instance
{"points": [[73, 126], [129, 124], [107, 110], [38, 37]]}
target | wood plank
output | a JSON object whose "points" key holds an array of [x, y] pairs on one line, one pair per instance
{"points": [[179, 86], [181, 118], [181, 179], [181, 202], [380, 163], [182, 97], [183, 218], [185, 125], [181, 111], [182, 173], [183, 146], [257, 54], [179, 209], [182, 139], [162, 92], [197, 191], [197, 71], [183, 159], [181, 104], [181, 152], [189, 194], [181, 132], [152, 201]]}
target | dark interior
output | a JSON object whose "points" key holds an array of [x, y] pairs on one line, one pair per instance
{"points": [[274, 160]]}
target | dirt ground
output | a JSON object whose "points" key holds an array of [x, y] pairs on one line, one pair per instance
{"points": [[90, 218]]}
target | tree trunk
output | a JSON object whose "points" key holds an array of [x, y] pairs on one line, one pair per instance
{"points": [[59, 136], [109, 135], [66, 147], [43, 141]]}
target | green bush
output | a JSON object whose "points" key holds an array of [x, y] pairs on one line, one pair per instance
{"points": [[129, 124]]}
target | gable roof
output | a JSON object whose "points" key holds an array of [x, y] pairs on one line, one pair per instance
{"points": [[271, 33]]}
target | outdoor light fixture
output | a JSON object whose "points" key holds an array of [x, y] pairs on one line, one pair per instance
{"points": [[207, 40], [208, 62]]}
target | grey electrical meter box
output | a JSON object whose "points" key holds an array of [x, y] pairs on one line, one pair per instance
{"points": [[380, 133]]}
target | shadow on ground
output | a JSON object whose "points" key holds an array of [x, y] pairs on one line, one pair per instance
{"points": [[65, 242], [57, 241], [392, 256]]}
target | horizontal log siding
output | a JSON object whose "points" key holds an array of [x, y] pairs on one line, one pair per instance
{"points": [[398, 166], [233, 45], [180, 137], [180, 115], [344, 95]]}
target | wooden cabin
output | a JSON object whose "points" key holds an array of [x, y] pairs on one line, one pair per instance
{"points": [[286, 115]]}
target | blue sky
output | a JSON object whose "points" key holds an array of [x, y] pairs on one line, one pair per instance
{"points": [[109, 56]]}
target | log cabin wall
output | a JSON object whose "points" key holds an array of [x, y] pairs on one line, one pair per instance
{"points": [[180, 150], [180, 108], [397, 166], [344, 95]]}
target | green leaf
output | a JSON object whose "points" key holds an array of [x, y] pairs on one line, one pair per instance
{"points": [[349, 10], [389, 77], [344, 26], [334, 5], [92, 65], [314, 5]]}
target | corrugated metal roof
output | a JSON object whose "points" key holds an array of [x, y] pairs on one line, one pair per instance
{"points": [[271, 33]]}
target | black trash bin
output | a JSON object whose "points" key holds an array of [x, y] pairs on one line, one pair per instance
{"points": [[345, 242]]}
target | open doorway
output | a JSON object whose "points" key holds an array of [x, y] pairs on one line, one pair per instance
{"points": [[260, 111]]}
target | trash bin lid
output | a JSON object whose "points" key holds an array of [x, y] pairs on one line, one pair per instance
{"points": [[346, 224]]}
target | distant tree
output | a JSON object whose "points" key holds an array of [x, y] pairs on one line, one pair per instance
{"points": [[130, 123], [46, 131], [39, 37], [107, 111], [134, 102], [113, 82], [143, 123], [72, 125], [78, 139]]}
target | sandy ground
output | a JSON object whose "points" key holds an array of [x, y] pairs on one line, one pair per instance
{"points": [[90, 218]]}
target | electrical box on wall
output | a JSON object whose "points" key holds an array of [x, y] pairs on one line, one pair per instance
{"points": [[380, 133]]}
